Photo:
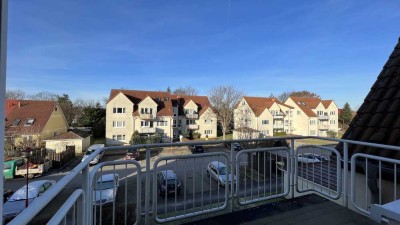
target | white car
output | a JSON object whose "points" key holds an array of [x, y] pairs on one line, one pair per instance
{"points": [[218, 171], [106, 189], [311, 158], [92, 149], [16, 203]]}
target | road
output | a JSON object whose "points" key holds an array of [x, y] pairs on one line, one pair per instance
{"points": [[199, 192]]}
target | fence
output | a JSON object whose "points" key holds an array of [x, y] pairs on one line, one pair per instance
{"points": [[60, 159]]}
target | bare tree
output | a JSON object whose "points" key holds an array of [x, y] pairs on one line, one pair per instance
{"points": [[15, 94], [188, 90], [223, 100], [284, 96], [44, 95]]}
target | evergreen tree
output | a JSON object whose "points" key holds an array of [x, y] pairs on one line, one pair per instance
{"points": [[346, 115]]}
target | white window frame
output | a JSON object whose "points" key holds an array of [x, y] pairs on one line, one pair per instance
{"points": [[118, 124], [116, 109], [265, 122]]}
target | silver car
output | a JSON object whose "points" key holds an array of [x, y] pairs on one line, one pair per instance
{"points": [[92, 149], [16, 203], [218, 171], [106, 189]]}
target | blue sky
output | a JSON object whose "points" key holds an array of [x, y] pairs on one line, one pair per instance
{"points": [[335, 48]]}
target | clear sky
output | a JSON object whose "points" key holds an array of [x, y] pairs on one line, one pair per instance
{"points": [[335, 48]]}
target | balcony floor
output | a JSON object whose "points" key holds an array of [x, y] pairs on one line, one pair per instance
{"points": [[306, 210]]}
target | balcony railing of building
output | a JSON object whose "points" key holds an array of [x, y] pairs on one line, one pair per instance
{"points": [[147, 130], [280, 116], [145, 116], [257, 175], [278, 126], [193, 126], [323, 127], [192, 116], [323, 117]]}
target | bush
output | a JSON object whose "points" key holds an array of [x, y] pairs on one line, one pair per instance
{"points": [[331, 134], [279, 134], [140, 139]]}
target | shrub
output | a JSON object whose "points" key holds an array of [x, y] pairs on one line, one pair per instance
{"points": [[279, 134], [331, 134]]}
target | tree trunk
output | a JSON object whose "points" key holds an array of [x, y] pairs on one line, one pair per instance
{"points": [[223, 133]]}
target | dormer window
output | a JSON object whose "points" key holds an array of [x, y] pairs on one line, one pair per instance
{"points": [[166, 99], [29, 122], [146, 111], [158, 99], [15, 123]]}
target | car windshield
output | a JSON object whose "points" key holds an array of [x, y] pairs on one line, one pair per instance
{"points": [[222, 171], [105, 185], [21, 194], [132, 151]]}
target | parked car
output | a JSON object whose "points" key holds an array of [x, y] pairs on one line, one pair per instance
{"points": [[218, 171], [311, 158], [132, 153], [168, 182], [196, 149], [106, 189], [236, 146], [92, 149], [16, 203]]}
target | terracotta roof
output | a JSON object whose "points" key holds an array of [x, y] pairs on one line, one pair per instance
{"points": [[201, 101], [307, 104], [39, 111], [68, 135], [259, 104], [378, 118], [163, 100]]}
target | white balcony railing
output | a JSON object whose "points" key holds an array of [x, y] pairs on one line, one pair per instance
{"points": [[323, 127], [147, 116], [193, 126], [324, 117], [278, 126], [306, 169], [279, 116], [192, 116], [147, 130]]}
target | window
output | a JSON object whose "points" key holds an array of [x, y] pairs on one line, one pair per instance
{"points": [[146, 111], [190, 111], [208, 132], [320, 113], [55, 109], [333, 122], [162, 123], [118, 124], [207, 121], [188, 122], [332, 113], [145, 123], [243, 103], [118, 110], [54, 134], [16, 122], [298, 112], [312, 122], [265, 122], [265, 132], [174, 123], [119, 137], [29, 121]]}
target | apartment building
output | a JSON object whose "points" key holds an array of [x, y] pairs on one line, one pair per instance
{"points": [[313, 116], [261, 117], [154, 112]]}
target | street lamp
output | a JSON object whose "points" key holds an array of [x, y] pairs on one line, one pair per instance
{"points": [[27, 153]]}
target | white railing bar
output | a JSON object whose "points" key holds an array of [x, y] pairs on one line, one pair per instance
{"points": [[62, 212], [353, 173]]}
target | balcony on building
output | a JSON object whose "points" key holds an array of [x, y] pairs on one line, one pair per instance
{"points": [[147, 130], [323, 117], [192, 115], [193, 126], [145, 116], [323, 127], [278, 126], [279, 116]]}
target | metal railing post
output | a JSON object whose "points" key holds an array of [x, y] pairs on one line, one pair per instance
{"points": [[345, 173], [147, 188], [232, 174], [81, 217], [87, 195], [3, 60], [292, 167]]}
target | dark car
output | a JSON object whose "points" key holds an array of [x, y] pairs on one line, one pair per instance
{"points": [[196, 149], [7, 194], [168, 182], [236, 146], [132, 153]]}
